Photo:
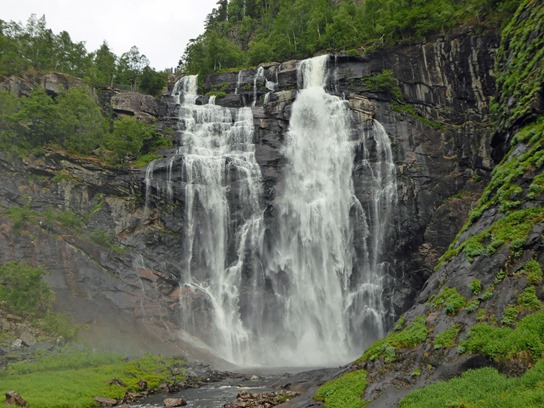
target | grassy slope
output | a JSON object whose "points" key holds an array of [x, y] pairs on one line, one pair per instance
{"points": [[72, 378]]}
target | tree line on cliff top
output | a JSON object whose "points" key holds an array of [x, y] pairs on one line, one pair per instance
{"points": [[34, 47], [248, 32]]}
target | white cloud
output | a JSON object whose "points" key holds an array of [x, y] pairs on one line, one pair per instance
{"points": [[159, 28]]}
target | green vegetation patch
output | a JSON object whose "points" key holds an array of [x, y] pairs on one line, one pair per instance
{"points": [[514, 229], [71, 379], [451, 300], [519, 61], [447, 338], [344, 392], [533, 271], [411, 336], [523, 343], [483, 388], [384, 82], [26, 294]]}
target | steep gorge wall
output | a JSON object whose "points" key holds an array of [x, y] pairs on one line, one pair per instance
{"points": [[440, 133], [438, 123]]}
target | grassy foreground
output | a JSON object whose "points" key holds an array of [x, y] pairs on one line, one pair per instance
{"points": [[70, 379]]}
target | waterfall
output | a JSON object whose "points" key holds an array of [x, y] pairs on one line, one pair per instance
{"points": [[330, 306], [223, 220], [307, 290]]}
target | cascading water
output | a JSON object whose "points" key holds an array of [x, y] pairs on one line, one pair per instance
{"points": [[314, 297], [323, 293], [223, 219]]}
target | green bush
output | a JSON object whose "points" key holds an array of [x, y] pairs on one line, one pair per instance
{"points": [[475, 286], [528, 299], [345, 391], [451, 300], [533, 270], [411, 336], [447, 337], [23, 290], [525, 341]]}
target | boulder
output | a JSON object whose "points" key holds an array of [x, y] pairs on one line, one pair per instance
{"points": [[174, 402], [105, 401], [13, 398]]}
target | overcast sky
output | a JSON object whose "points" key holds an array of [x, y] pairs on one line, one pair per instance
{"points": [[159, 28]]}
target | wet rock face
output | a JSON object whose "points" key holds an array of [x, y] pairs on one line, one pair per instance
{"points": [[440, 147], [438, 127]]}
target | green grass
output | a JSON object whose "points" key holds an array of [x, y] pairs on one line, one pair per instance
{"points": [[484, 388], [451, 300], [524, 343], [447, 338], [71, 379], [411, 336], [344, 392]]}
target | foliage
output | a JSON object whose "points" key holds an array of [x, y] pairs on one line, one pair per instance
{"points": [[411, 336], [475, 286], [152, 82], [519, 62], [72, 378], [533, 270], [451, 299], [528, 299], [447, 337], [23, 290], [524, 342], [343, 392], [249, 32], [128, 139], [81, 124], [35, 47], [484, 388], [384, 82]]}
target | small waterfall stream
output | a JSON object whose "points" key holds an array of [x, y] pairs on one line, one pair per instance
{"points": [[315, 298]]}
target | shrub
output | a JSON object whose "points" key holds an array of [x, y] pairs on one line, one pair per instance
{"points": [[528, 299], [451, 299], [447, 337], [24, 291], [534, 272], [475, 286], [344, 392], [411, 336]]}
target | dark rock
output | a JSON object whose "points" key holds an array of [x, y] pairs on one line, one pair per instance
{"points": [[106, 402], [13, 398], [174, 402], [119, 382]]}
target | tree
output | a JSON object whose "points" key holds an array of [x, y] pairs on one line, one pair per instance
{"points": [[103, 66], [130, 67], [152, 82], [81, 124], [128, 138], [39, 116], [70, 57]]}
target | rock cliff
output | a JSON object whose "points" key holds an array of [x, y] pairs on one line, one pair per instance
{"points": [[120, 270]]}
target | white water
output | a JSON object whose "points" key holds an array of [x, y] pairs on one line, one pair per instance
{"points": [[315, 298], [315, 243], [217, 150]]}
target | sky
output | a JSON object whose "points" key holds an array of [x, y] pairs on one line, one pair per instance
{"points": [[160, 29]]}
